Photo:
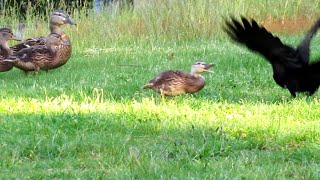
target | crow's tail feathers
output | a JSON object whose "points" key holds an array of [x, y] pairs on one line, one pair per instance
{"points": [[304, 46]]}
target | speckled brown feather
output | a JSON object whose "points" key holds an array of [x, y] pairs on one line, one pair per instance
{"points": [[64, 53], [4, 66], [39, 57], [33, 58], [175, 82], [28, 42]]}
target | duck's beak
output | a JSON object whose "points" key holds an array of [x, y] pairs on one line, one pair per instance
{"points": [[13, 37], [207, 68], [69, 21]]}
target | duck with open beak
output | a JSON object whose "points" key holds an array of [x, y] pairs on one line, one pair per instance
{"points": [[175, 82]]}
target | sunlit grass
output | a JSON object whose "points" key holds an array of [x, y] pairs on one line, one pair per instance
{"points": [[163, 21], [90, 118]]}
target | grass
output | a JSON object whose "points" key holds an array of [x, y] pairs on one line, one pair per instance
{"points": [[166, 21], [90, 119]]}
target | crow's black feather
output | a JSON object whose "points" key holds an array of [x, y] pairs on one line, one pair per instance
{"points": [[291, 66]]}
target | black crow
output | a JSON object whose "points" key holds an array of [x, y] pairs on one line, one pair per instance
{"points": [[291, 66]]}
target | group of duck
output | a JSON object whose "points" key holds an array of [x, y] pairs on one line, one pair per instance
{"points": [[291, 67], [37, 53], [54, 50]]}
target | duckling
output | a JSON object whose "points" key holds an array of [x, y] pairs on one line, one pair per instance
{"points": [[5, 35], [57, 18], [38, 57], [175, 82]]}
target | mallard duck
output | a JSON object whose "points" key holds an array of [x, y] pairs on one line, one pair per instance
{"points": [[38, 57], [5, 35], [175, 82], [57, 18]]}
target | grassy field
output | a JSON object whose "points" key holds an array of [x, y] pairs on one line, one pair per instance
{"points": [[90, 119]]}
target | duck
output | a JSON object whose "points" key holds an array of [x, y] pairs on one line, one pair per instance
{"points": [[176, 82], [6, 35], [39, 57], [57, 18]]}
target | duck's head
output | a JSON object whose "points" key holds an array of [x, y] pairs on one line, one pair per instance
{"points": [[199, 67], [54, 40], [60, 17], [6, 34]]}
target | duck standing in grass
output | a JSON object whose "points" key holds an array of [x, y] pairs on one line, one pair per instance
{"points": [[175, 82], [5, 35], [57, 19], [38, 57]]}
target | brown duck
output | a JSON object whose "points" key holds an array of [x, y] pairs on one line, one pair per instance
{"points": [[175, 82], [57, 19], [40, 57], [5, 35]]}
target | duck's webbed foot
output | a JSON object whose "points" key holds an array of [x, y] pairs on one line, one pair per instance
{"points": [[25, 73], [36, 70]]}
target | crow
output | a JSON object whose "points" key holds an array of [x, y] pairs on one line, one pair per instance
{"points": [[291, 66]]}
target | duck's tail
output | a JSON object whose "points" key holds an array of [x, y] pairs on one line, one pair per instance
{"points": [[148, 85], [10, 59], [5, 66]]}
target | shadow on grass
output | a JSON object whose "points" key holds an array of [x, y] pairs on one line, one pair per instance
{"points": [[75, 144], [37, 131]]}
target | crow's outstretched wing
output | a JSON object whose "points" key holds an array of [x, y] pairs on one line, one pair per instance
{"points": [[258, 39]]}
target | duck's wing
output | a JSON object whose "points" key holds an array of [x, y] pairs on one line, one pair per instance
{"points": [[169, 78], [33, 53], [28, 43]]}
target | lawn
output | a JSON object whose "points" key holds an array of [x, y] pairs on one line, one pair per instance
{"points": [[90, 119]]}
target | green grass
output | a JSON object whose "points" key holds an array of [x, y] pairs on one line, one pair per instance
{"points": [[90, 119], [167, 20]]}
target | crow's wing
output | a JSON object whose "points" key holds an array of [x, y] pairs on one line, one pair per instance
{"points": [[258, 39]]}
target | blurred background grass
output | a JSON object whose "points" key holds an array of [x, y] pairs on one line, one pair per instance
{"points": [[160, 21], [90, 118]]}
